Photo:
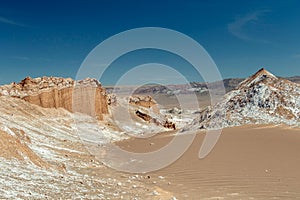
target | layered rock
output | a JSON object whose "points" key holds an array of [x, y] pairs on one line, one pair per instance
{"points": [[85, 96]]}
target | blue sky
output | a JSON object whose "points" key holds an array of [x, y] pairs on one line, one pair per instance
{"points": [[53, 39]]}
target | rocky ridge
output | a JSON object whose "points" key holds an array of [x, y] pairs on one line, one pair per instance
{"points": [[260, 99]]}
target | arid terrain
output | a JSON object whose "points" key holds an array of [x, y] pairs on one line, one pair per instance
{"points": [[47, 123], [248, 162], [149, 100]]}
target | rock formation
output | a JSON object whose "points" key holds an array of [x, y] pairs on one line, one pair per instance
{"points": [[260, 99], [144, 101], [165, 123], [111, 99], [85, 96]]}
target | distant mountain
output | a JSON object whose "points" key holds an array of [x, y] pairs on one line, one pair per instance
{"points": [[198, 87], [162, 89], [295, 79], [260, 99]]}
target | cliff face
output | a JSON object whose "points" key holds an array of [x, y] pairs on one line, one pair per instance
{"points": [[90, 98], [55, 98], [85, 96]]}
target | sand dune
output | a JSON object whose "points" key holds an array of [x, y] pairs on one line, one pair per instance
{"points": [[249, 162]]}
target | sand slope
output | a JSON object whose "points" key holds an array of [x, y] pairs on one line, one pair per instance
{"points": [[249, 162]]}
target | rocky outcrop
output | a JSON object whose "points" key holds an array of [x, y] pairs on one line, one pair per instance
{"points": [[144, 101], [111, 99], [143, 116], [85, 96], [165, 123], [260, 99]]}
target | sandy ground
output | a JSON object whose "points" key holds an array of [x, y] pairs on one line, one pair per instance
{"points": [[249, 162], [42, 157]]}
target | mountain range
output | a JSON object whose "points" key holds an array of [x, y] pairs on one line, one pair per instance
{"points": [[198, 87]]}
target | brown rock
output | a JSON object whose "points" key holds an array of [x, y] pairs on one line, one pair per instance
{"points": [[111, 99], [148, 118], [86, 96], [144, 116], [144, 101]]}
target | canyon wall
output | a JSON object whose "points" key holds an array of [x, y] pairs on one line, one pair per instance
{"points": [[85, 96]]}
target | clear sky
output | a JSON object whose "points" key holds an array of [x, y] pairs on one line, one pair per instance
{"points": [[53, 38]]}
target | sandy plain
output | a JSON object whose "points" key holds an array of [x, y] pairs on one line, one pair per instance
{"points": [[248, 162]]}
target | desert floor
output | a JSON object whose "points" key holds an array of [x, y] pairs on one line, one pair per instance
{"points": [[248, 162]]}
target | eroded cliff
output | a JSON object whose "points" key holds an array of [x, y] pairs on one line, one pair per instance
{"points": [[85, 96]]}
